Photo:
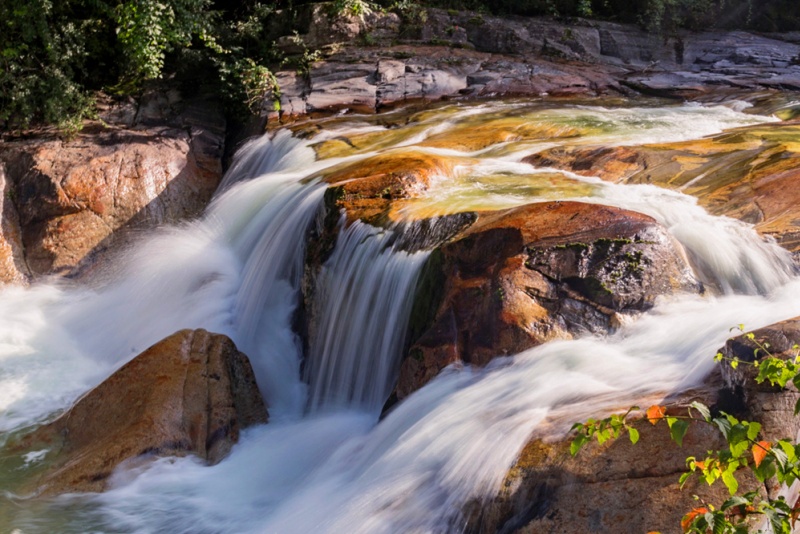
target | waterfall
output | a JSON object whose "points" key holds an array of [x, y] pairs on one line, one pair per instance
{"points": [[364, 296], [325, 463]]}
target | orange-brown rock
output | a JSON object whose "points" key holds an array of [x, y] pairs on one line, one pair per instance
{"points": [[366, 189], [618, 487], [190, 393], [71, 198], [520, 277], [749, 173]]}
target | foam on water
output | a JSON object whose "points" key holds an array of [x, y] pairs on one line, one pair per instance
{"points": [[451, 441]]}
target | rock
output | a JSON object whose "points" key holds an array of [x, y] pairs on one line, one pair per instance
{"points": [[190, 393], [13, 269], [768, 404], [375, 79], [371, 188], [749, 173], [556, 269], [619, 487], [73, 198], [450, 55], [612, 488]]}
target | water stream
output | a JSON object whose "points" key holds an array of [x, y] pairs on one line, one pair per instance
{"points": [[325, 463]]}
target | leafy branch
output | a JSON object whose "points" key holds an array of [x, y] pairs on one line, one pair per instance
{"points": [[745, 450]]}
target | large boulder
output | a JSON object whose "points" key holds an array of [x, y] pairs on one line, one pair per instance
{"points": [[66, 200], [619, 487], [190, 393], [520, 277], [749, 173]]}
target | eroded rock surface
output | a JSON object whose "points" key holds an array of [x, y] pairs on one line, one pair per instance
{"points": [[463, 54], [520, 277], [749, 173], [66, 201], [190, 393]]}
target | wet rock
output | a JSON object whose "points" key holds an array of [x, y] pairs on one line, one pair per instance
{"points": [[190, 393], [520, 277], [749, 173], [612, 488], [370, 188], [767, 403], [74, 198], [619, 487]]}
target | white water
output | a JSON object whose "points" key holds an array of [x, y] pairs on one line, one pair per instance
{"points": [[364, 294], [337, 469]]}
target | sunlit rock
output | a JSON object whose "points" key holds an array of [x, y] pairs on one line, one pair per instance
{"points": [[72, 198], [749, 173], [367, 189], [190, 393], [520, 277]]}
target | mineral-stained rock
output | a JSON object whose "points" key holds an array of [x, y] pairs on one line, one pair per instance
{"points": [[618, 487], [749, 173], [190, 393], [367, 189], [520, 277], [71, 198]]}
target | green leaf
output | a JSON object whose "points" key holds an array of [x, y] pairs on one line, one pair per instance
{"points": [[730, 481], [752, 431], [671, 421], [780, 457], [678, 430], [702, 409], [577, 443], [633, 434], [736, 500], [723, 424], [737, 440]]}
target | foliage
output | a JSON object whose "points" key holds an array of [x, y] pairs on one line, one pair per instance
{"points": [[42, 54], [54, 54], [148, 29], [745, 451], [353, 8]]}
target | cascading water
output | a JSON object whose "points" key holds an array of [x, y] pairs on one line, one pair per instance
{"points": [[364, 295], [333, 467]]}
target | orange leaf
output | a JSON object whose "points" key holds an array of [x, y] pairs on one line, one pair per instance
{"points": [[686, 522], [760, 451], [656, 413], [700, 465]]}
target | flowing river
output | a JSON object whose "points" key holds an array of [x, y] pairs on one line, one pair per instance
{"points": [[326, 463]]}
